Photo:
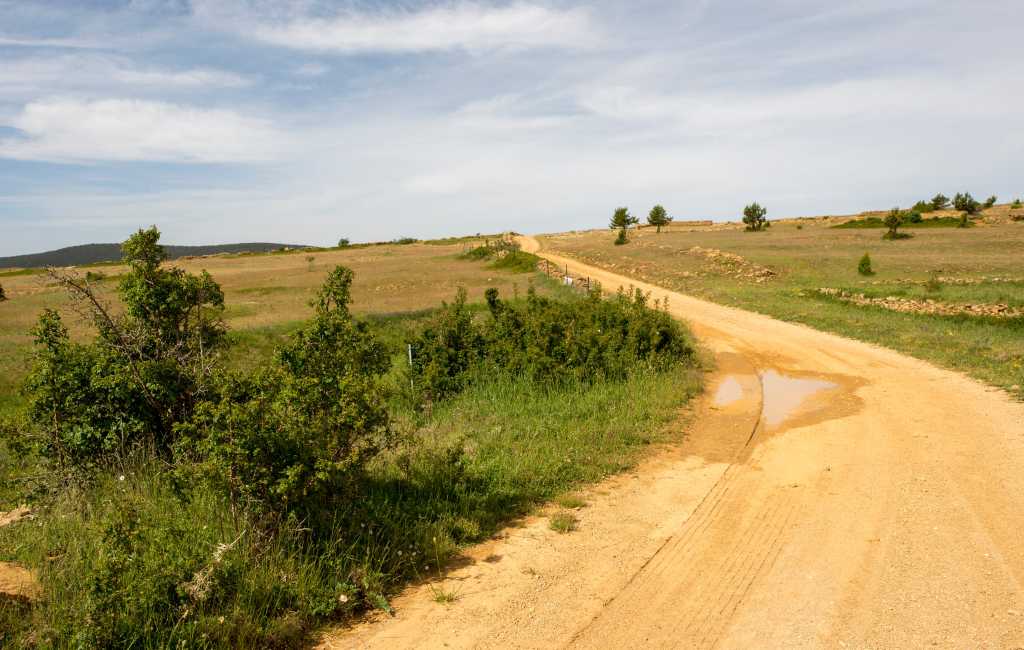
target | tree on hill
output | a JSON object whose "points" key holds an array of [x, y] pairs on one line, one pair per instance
{"points": [[940, 201], [622, 220], [965, 203], [658, 217], [343, 242], [893, 221], [754, 217], [989, 202]]}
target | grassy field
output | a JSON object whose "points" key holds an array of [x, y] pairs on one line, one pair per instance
{"points": [[266, 293], [779, 271]]}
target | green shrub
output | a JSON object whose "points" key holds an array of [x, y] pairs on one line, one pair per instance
{"points": [[658, 217], [1017, 204], [547, 341], [940, 202], [892, 222], [922, 207], [295, 436], [914, 217], [989, 202], [516, 262], [864, 266], [620, 238], [3, 296], [403, 241], [143, 373], [343, 242]]}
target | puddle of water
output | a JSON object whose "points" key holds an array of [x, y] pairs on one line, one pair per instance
{"points": [[783, 394], [728, 391]]}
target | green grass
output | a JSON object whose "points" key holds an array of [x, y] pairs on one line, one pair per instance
{"points": [[120, 562], [517, 262], [563, 522], [570, 501], [875, 222]]}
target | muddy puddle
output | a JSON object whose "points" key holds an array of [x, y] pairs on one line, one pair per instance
{"points": [[784, 395], [728, 391]]}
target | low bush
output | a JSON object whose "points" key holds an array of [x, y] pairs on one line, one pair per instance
{"points": [[966, 203], [989, 202], [516, 262], [864, 265], [546, 341], [922, 207], [3, 296], [1016, 205], [620, 238]]}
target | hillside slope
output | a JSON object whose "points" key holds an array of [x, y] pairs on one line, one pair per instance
{"points": [[93, 253]]}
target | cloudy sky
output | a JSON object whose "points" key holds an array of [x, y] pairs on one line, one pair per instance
{"points": [[304, 121]]}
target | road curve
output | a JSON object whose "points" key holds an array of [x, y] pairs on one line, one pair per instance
{"points": [[883, 511]]}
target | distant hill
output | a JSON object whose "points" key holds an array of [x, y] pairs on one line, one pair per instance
{"points": [[92, 253]]}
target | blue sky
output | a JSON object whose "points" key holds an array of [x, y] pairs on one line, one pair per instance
{"points": [[304, 121]]}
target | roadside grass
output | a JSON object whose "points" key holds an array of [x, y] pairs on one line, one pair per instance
{"points": [[563, 522], [517, 262], [817, 256], [139, 560], [570, 501]]}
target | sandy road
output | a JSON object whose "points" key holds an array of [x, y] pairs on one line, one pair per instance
{"points": [[885, 510]]}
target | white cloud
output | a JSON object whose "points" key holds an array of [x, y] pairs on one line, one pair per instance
{"points": [[467, 26], [66, 43], [69, 130], [35, 75]]}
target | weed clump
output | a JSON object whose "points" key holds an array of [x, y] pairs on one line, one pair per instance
{"points": [[3, 296], [563, 522]]}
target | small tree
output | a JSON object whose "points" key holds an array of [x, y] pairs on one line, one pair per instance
{"points": [[754, 217], [940, 202], [965, 203], [658, 217], [893, 221], [622, 220], [620, 238], [1016, 204], [989, 202], [922, 207], [864, 266], [343, 242]]}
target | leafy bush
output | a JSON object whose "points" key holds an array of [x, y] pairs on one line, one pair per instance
{"points": [[1017, 204], [620, 238], [144, 372], [913, 217], [990, 201], [402, 241], [3, 296], [343, 242], [754, 217], [864, 266], [516, 262], [295, 436], [547, 341]]}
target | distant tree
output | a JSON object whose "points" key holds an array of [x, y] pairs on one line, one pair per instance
{"points": [[922, 207], [893, 221], [754, 217], [3, 296], [658, 217], [343, 242], [989, 202], [965, 203], [622, 220], [940, 202], [1016, 204], [864, 266]]}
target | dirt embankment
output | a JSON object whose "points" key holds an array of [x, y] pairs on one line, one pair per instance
{"points": [[829, 493]]}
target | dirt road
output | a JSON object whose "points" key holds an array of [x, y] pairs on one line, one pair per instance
{"points": [[829, 494]]}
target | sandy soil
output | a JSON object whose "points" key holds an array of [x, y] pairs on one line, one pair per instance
{"points": [[881, 509]]}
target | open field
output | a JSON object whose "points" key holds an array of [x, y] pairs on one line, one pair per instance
{"points": [[779, 272], [269, 292]]}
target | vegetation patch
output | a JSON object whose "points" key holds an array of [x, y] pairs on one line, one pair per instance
{"points": [[878, 222], [183, 501]]}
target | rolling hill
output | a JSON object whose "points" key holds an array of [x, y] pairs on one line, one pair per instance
{"points": [[93, 253]]}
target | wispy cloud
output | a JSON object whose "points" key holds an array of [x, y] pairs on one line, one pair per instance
{"points": [[467, 26], [68, 130]]}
